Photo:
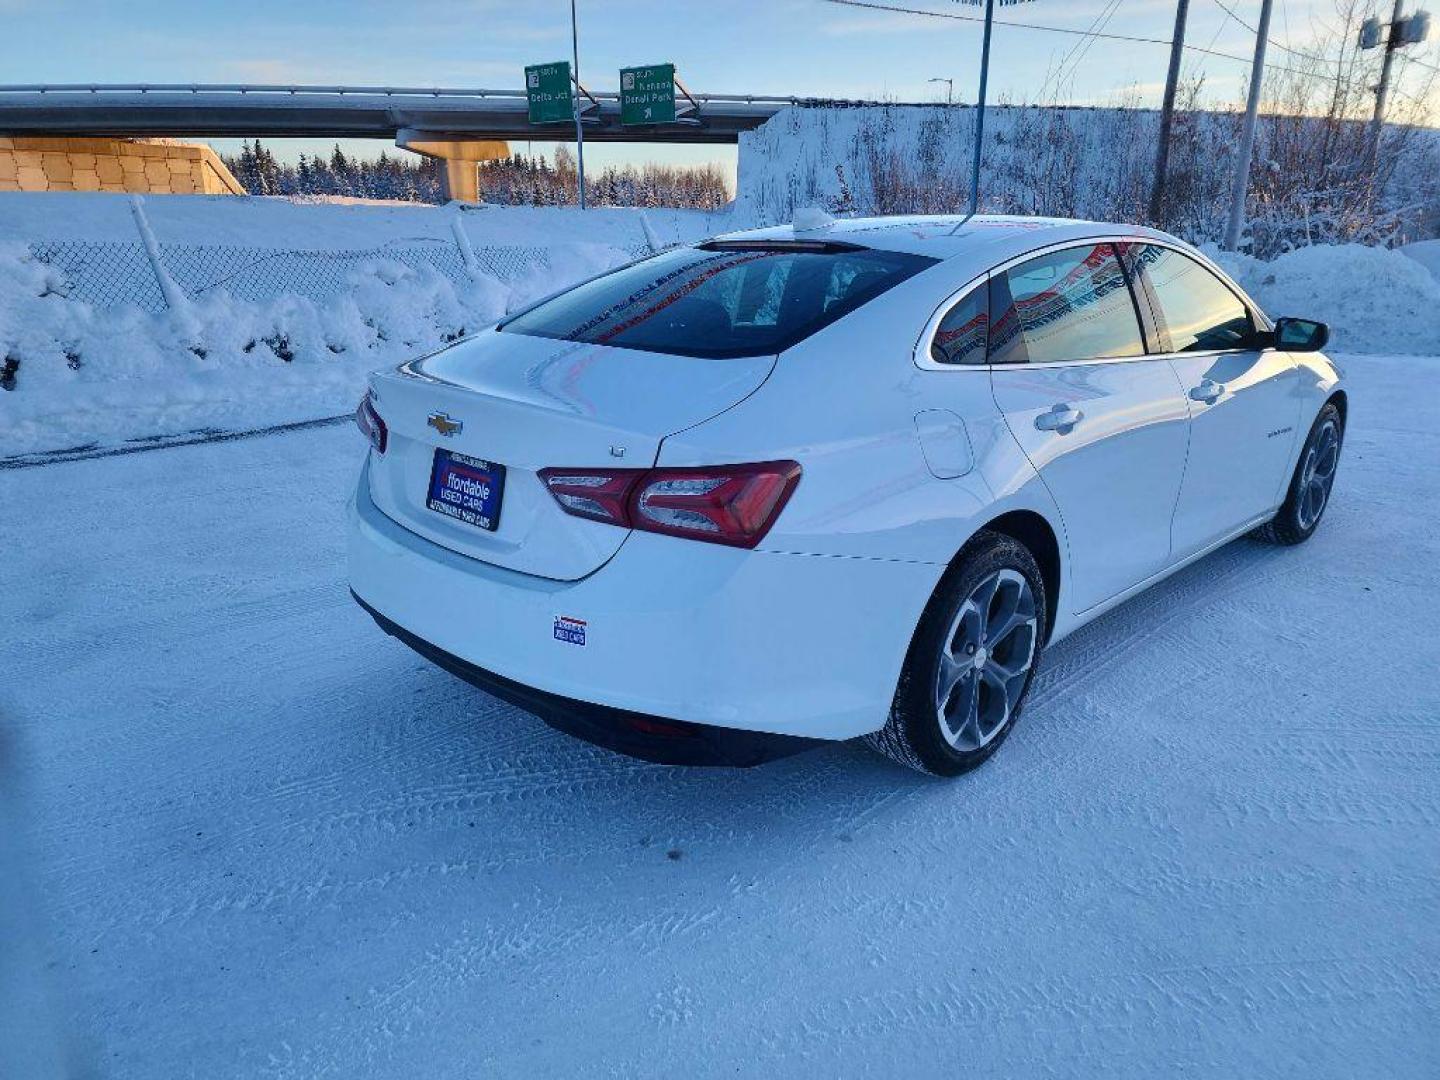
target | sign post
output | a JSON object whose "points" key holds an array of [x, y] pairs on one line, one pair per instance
{"points": [[579, 112], [554, 95], [647, 95]]}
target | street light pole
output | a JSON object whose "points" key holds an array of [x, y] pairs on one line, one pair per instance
{"points": [[575, 101], [1247, 133]]}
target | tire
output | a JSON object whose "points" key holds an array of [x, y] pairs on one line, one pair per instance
{"points": [[1305, 503], [953, 623]]}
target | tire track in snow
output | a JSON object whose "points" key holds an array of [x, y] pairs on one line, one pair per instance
{"points": [[1093, 1011]]}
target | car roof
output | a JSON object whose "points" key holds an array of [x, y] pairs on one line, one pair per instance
{"points": [[987, 239]]}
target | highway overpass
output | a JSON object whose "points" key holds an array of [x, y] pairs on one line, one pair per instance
{"points": [[350, 112], [458, 126]]}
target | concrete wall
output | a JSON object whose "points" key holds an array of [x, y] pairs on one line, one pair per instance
{"points": [[155, 166]]}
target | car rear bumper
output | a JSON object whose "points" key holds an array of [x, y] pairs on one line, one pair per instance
{"points": [[793, 645], [650, 738]]}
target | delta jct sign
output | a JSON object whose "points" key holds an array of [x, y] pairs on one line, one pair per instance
{"points": [[547, 90]]}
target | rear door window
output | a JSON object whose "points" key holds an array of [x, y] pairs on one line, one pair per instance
{"points": [[745, 298], [961, 336], [1072, 304], [1197, 311]]}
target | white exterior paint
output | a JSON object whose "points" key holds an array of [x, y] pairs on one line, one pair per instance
{"points": [[903, 461]]}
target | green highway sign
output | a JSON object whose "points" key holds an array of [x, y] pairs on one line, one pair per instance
{"points": [[647, 94], [547, 88]]}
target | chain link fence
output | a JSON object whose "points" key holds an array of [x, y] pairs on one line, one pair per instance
{"points": [[113, 274], [103, 274]]}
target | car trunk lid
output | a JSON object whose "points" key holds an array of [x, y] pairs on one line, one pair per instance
{"points": [[527, 403]]}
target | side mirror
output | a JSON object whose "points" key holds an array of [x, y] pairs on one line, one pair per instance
{"points": [[1301, 335]]}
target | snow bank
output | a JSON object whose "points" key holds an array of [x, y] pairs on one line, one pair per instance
{"points": [[1426, 253], [76, 371], [1376, 300], [84, 375]]}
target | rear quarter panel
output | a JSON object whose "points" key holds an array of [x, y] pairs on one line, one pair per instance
{"points": [[844, 404]]}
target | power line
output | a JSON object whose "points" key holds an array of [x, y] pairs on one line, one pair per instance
{"points": [[1084, 47], [997, 22], [1308, 56], [1219, 29], [1135, 39], [1096, 24], [1313, 57]]}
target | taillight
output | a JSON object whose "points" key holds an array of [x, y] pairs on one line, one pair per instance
{"points": [[728, 504], [723, 504], [369, 422], [593, 493]]}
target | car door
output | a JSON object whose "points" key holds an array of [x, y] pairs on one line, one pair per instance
{"points": [[1102, 422], [1241, 394]]}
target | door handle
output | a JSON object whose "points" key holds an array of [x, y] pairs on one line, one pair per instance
{"points": [[1061, 418], [1207, 391]]}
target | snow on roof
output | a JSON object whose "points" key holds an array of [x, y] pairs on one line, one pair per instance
{"points": [[936, 235]]}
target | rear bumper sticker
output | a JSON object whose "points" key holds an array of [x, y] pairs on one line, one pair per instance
{"points": [[571, 631]]}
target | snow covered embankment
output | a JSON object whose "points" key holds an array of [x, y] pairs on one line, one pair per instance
{"points": [[259, 311], [1376, 300], [81, 374]]}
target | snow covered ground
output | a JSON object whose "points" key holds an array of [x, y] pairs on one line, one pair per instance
{"points": [[268, 841]]}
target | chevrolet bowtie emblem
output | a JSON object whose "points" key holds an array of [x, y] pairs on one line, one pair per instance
{"points": [[444, 425]]}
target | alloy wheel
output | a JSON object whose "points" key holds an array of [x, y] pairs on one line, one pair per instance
{"points": [[1317, 475], [985, 660]]}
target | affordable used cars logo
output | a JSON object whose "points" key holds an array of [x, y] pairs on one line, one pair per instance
{"points": [[569, 630]]}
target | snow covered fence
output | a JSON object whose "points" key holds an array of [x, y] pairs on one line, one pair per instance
{"points": [[78, 373], [115, 274], [276, 310], [112, 274]]}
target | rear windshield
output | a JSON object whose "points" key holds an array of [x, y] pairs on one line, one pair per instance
{"points": [[720, 300]]}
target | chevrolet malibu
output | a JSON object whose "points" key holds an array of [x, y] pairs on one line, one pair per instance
{"points": [[843, 480]]}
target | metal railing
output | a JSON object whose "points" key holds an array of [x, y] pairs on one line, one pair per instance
{"points": [[369, 91]]}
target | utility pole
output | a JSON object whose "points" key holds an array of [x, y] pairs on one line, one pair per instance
{"points": [[575, 101], [1382, 91], [1247, 133], [1167, 115]]}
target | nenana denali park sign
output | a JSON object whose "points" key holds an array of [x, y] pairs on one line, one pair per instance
{"points": [[647, 95]]}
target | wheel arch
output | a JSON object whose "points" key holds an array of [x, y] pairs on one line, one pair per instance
{"points": [[1341, 401], [1033, 530]]}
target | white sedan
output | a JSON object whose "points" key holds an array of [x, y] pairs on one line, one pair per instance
{"points": [[819, 483]]}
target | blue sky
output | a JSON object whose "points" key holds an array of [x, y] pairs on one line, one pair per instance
{"points": [[806, 47]]}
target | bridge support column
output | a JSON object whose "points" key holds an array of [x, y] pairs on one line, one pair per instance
{"points": [[461, 180]]}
